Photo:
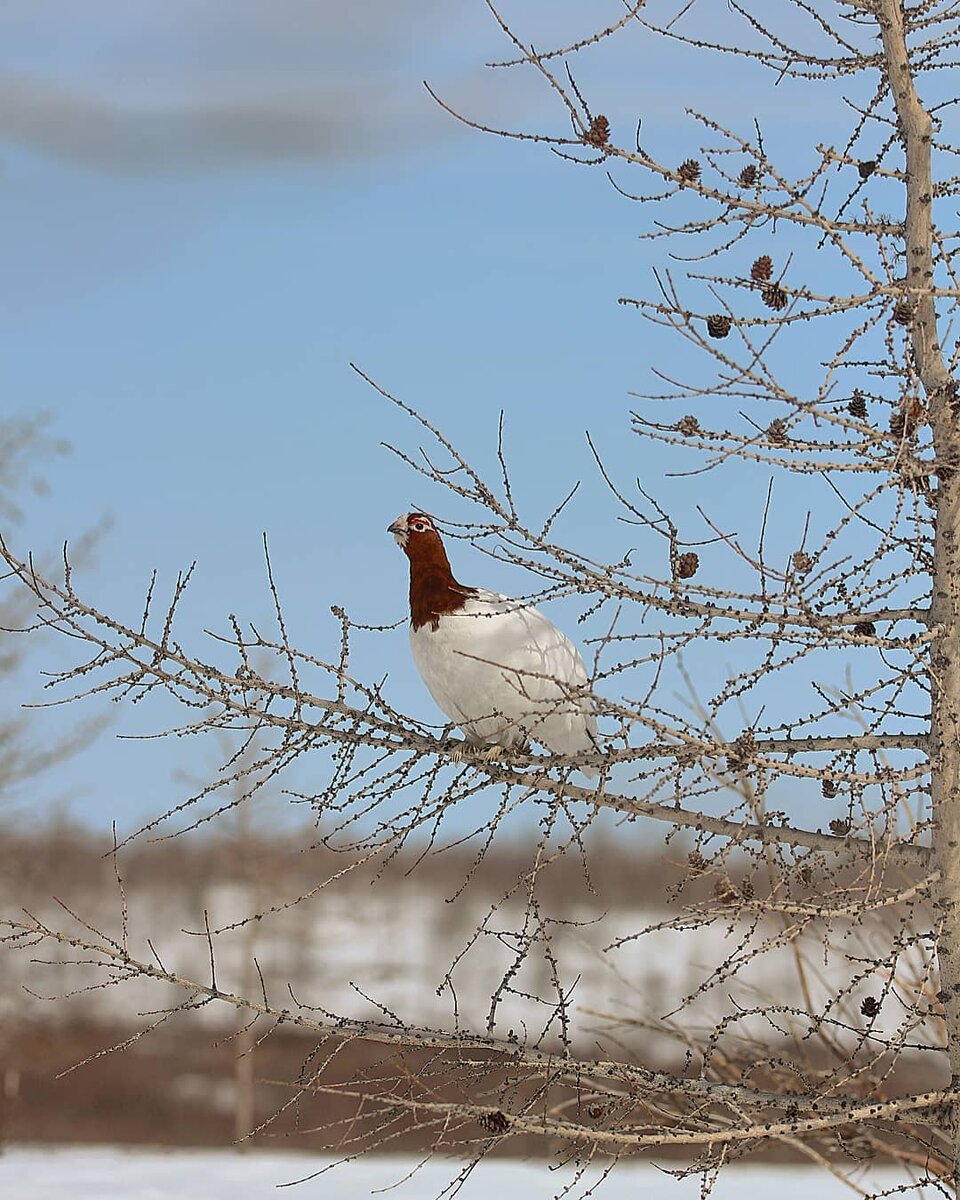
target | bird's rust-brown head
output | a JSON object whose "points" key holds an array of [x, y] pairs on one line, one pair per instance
{"points": [[433, 589]]}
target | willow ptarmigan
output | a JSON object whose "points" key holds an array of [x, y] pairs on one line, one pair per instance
{"points": [[495, 666]]}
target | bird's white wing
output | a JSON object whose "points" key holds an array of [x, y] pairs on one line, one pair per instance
{"points": [[504, 672]]}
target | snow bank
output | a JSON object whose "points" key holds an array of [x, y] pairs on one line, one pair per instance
{"points": [[107, 1173]]}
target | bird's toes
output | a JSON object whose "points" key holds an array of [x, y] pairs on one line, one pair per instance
{"points": [[461, 750], [467, 752], [457, 749], [491, 752]]}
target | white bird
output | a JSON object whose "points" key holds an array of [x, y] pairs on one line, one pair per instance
{"points": [[495, 666]]}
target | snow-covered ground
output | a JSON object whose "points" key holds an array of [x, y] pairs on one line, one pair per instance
{"points": [[108, 1173], [396, 947]]}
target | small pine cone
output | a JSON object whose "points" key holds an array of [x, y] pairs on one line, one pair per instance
{"points": [[747, 890], [903, 313], [762, 269], [840, 826], [869, 1006], [905, 421], [777, 431], [724, 892], [689, 171], [696, 860], [802, 562], [599, 132], [867, 167], [687, 565], [774, 297], [865, 629], [689, 426], [829, 789], [742, 751], [748, 176], [494, 1122], [718, 325], [914, 415], [806, 875], [857, 406]]}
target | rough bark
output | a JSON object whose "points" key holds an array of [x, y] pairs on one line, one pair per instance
{"points": [[916, 132]]}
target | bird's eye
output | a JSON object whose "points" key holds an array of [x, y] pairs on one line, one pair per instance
{"points": [[419, 526]]}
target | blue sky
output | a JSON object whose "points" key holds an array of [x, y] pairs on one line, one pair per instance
{"points": [[210, 210]]}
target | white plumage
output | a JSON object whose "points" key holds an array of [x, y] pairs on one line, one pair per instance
{"points": [[497, 667], [504, 673]]}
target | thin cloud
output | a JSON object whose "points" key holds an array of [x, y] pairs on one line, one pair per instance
{"points": [[335, 123], [142, 87]]}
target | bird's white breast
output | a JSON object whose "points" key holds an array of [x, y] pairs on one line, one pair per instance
{"points": [[504, 673]]}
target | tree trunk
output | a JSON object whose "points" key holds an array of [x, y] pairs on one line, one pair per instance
{"points": [[945, 766], [916, 131]]}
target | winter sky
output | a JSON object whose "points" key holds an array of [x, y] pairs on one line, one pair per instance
{"points": [[210, 209]]}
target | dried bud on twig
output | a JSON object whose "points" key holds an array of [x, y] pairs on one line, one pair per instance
{"points": [[599, 132], [774, 297], [718, 326], [762, 269], [689, 426], [687, 565], [689, 171]]}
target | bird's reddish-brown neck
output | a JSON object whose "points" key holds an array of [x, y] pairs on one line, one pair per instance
{"points": [[433, 589]]}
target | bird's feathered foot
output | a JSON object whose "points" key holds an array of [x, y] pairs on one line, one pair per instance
{"points": [[491, 753], [458, 749], [480, 752]]}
